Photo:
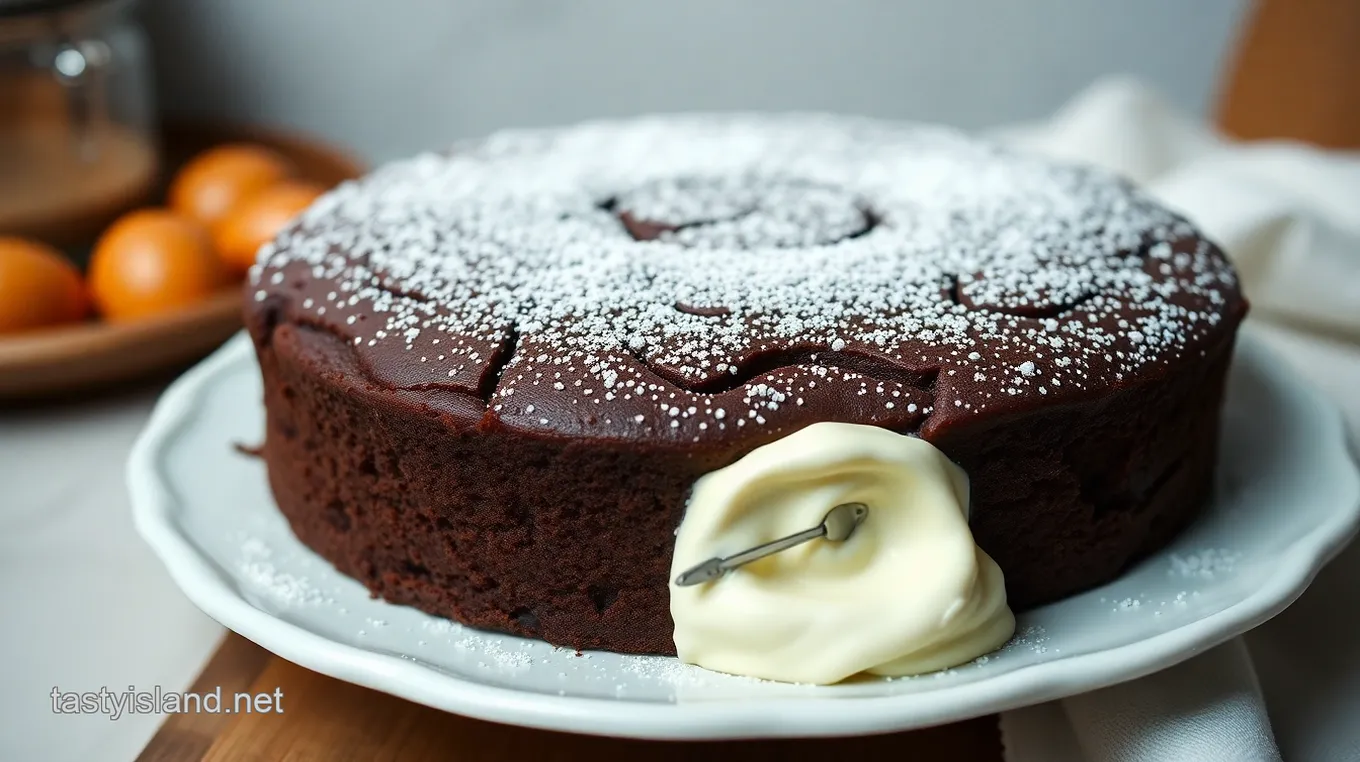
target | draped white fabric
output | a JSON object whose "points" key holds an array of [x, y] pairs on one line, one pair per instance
{"points": [[1289, 216]]}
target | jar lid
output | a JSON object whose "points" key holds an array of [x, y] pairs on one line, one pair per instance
{"points": [[9, 8]]}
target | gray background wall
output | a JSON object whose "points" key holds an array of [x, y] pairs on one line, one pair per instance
{"points": [[388, 77]]}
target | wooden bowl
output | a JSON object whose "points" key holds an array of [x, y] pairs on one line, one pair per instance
{"points": [[65, 359]]}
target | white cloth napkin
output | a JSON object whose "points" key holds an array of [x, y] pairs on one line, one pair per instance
{"points": [[1289, 216]]}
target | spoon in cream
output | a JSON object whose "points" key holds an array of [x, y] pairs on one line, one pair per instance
{"points": [[837, 526]]}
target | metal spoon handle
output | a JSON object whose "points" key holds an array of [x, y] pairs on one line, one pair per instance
{"points": [[772, 547], [840, 522], [717, 566]]}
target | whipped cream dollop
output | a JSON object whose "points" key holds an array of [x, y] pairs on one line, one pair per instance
{"points": [[908, 592]]}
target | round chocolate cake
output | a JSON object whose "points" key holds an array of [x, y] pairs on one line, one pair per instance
{"points": [[492, 376]]}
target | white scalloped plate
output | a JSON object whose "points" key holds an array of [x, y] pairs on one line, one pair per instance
{"points": [[1288, 500]]}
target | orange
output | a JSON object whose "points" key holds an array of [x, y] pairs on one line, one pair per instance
{"points": [[38, 287], [218, 179], [152, 261], [255, 221]]}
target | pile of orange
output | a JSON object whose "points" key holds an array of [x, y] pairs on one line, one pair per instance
{"points": [[223, 205]]}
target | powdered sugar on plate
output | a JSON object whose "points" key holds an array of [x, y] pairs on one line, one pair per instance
{"points": [[1203, 564], [255, 566]]}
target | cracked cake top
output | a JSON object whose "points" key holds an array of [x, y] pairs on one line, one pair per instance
{"points": [[732, 278]]}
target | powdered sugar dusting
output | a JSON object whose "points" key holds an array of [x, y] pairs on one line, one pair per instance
{"points": [[649, 266], [677, 674], [1205, 564], [256, 567], [1030, 637], [490, 649]]}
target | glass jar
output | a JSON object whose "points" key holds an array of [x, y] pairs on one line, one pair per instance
{"points": [[77, 119]]}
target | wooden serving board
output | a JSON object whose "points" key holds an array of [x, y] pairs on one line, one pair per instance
{"points": [[326, 719]]}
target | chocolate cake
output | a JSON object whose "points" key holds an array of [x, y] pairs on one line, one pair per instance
{"points": [[493, 375]]}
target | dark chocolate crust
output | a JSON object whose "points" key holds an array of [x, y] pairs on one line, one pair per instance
{"points": [[518, 459]]}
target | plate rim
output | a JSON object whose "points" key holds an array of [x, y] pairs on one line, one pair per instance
{"points": [[154, 504]]}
